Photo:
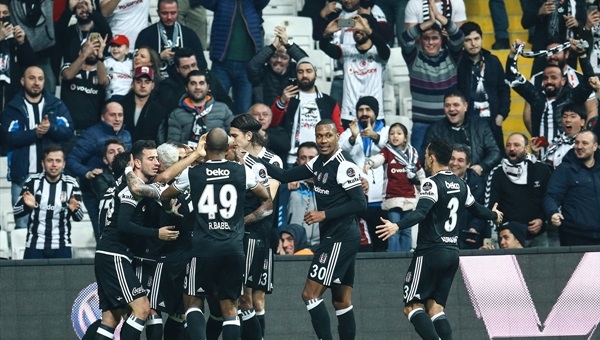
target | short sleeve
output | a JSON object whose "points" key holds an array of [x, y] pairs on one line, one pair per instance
{"points": [[459, 12], [429, 190], [470, 199], [183, 181], [125, 196], [260, 171], [413, 12], [348, 175], [251, 180]]}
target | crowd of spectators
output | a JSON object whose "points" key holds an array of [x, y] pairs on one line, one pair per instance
{"points": [[123, 79]]}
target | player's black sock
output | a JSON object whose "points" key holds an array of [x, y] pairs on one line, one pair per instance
{"points": [[423, 324], [173, 328], [442, 326], [260, 315], [231, 328], [319, 318], [251, 327], [154, 327], [214, 326], [196, 325], [132, 328], [346, 323], [90, 332], [104, 332]]}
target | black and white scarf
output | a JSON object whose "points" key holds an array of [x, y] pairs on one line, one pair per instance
{"points": [[446, 9], [516, 173], [557, 142], [408, 158]]}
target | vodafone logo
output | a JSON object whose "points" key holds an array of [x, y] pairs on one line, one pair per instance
{"points": [[397, 171]]}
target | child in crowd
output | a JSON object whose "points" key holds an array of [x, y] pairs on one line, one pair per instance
{"points": [[119, 68], [402, 174]]}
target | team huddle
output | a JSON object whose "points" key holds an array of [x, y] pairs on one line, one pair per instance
{"points": [[204, 236]]}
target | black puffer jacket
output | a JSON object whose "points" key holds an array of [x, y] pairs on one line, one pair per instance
{"points": [[479, 137], [266, 84]]}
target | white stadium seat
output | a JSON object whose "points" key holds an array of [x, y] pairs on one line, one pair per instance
{"points": [[4, 248], [18, 238], [83, 243], [298, 29]]}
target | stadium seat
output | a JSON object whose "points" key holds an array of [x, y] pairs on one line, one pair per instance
{"points": [[18, 237], [7, 222], [298, 29], [83, 243], [4, 248], [397, 73], [281, 7], [389, 101], [323, 62], [323, 85]]}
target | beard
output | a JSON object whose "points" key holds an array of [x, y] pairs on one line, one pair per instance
{"points": [[362, 40], [91, 60], [33, 94], [83, 21], [518, 158], [305, 86]]}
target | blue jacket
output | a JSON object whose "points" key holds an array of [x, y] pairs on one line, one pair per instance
{"points": [[15, 124], [224, 13], [87, 153], [576, 190]]}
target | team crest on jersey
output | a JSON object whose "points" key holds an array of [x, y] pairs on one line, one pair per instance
{"points": [[323, 258], [350, 172], [277, 164], [408, 277], [427, 186], [266, 265], [319, 176], [143, 208], [63, 196], [262, 173], [325, 178]]}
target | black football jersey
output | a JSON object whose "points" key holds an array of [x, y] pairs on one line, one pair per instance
{"points": [[332, 178], [450, 196], [259, 229], [217, 190]]}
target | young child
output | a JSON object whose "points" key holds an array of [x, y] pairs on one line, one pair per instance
{"points": [[402, 174], [119, 67]]}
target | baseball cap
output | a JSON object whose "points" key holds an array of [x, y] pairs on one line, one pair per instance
{"points": [[118, 40], [143, 71]]}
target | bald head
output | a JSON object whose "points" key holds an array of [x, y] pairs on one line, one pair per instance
{"points": [[217, 140]]}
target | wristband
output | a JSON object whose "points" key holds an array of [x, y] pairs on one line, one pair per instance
{"points": [[128, 170]]}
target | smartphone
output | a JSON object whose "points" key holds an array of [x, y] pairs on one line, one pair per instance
{"points": [[94, 36], [6, 19], [592, 8], [541, 141], [346, 22], [488, 242], [292, 82]]}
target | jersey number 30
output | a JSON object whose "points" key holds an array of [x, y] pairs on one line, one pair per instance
{"points": [[451, 222], [227, 201]]}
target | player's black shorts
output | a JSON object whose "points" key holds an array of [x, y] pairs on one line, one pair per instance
{"points": [[144, 270], [166, 294], [259, 264], [333, 263], [220, 275], [117, 283], [430, 276]]}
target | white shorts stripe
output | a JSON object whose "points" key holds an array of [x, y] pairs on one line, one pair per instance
{"points": [[122, 280], [249, 257], [192, 278], [155, 285], [415, 279], [335, 253]]}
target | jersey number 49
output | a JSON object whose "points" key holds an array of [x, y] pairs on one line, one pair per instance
{"points": [[227, 201]]}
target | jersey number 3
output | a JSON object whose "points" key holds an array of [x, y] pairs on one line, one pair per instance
{"points": [[227, 201], [453, 207]]}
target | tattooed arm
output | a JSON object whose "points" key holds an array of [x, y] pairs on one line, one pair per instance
{"points": [[266, 207]]}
